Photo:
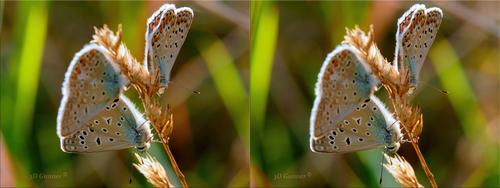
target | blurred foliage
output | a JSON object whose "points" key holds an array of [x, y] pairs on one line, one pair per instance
{"points": [[263, 45], [460, 136], [211, 135]]}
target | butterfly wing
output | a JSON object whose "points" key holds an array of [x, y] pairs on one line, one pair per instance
{"points": [[91, 82], [118, 126], [167, 30], [343, 82], [417, 29], [370, 125]]}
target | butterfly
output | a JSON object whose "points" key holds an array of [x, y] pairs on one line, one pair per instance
{"points": [[417, 29], [346, 115], [94, 114], [166, 32]]}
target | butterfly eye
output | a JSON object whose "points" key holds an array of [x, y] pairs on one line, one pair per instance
{"points": [[143, 148], [392, 148]]}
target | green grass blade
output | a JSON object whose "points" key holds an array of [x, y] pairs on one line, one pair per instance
{"points": [[228, 83], [27, 63], [261, 62], [264, 33]]}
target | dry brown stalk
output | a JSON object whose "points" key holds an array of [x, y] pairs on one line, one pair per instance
{"points": [[397, 84], [160, 117]]}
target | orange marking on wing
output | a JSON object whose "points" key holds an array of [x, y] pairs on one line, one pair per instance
{"points": [[330, 70], [334, 62], [150, 27], [82, 62]]}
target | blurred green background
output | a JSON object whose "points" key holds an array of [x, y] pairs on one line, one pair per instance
{"points": [[290, 40], [211, 131]]}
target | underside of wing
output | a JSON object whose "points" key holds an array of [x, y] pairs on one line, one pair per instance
{"points": [[367, 127], [417, 29], [118, 126], [96, 141], [345, 80], [92, 81], [167, 31]]}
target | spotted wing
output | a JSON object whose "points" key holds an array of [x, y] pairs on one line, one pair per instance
{"points": [[344, 81], [369, 126], [91, 82], [118, 126], [417, 29], [166, 32]]}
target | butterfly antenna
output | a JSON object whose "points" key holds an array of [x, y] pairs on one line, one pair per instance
{"points": [[156, 141], [131, 172], [444, 92], [152, 139], [393, 124], [381, 169], [142, 124], [192, 91]]}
